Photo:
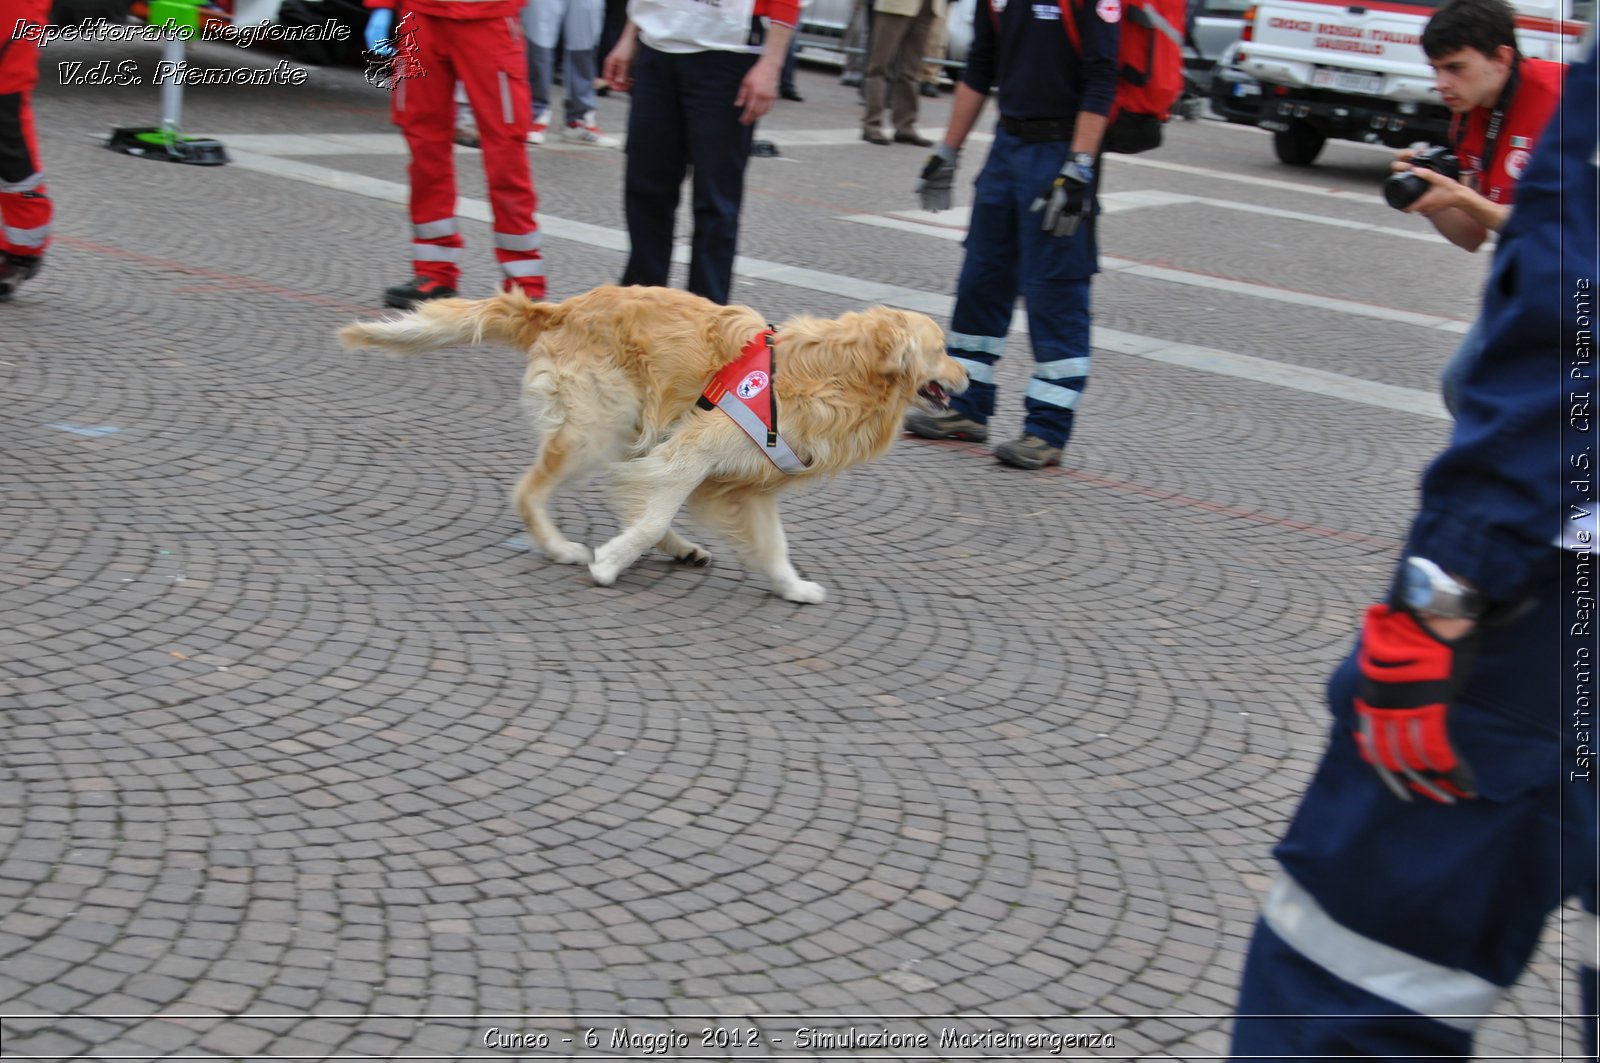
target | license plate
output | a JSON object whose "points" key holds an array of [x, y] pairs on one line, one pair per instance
{"points": [[1347, 80], [1246, 88]]}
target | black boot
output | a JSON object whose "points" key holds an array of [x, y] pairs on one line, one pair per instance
{"points": [[14, 269], [416, 290]]}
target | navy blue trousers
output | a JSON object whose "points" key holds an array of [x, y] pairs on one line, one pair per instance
{"points": [[1008, 254], [1396, 925], [683, 119]]}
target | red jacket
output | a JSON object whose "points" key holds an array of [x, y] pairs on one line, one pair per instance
{"points": [[1537, 94]]}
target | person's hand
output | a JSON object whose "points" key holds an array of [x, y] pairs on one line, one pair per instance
{"points": [[618, 69], [1066, 201], [1409, 678], [938, 177], [1444, 193], [1402, 160], [379, 30], [759, 89]]}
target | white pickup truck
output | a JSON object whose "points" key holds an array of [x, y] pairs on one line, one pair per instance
{"points": [[1354, 69]]}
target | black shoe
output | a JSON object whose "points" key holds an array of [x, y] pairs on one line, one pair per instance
{"points": [[913, 138], [14, 269], [929, 89], [416, 290], [763, 149], [872, 136], [792, 94]]}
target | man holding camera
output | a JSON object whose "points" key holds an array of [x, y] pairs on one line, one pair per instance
{"points": [[1501, 101], [1055, 84]]}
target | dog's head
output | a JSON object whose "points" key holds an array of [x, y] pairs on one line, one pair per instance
{"points": [[913, 344]]}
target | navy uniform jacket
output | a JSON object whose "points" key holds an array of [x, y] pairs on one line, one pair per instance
{"points": [[1029, 59], [1496, 505]]}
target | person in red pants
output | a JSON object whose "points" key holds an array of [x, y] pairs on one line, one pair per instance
{"points": [[25, 210], [478, 43]]}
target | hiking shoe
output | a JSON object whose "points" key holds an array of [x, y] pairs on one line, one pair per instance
{"points": [[467, 136], [537, 129], [946, 424], [14, 269], [418, 289], [1029, 452], [582, 130]]}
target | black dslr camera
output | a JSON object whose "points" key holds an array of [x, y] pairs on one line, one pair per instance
{"points": [[1403, 189]]}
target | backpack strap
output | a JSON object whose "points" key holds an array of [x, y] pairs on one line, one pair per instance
{"points": [[1069, 19], [1158, 22]]}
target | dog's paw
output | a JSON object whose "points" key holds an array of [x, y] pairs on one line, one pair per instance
{"points": [[604, 575], [694, 557], [570, 553], [805, 592]]}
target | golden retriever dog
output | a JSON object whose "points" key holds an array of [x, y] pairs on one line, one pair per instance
{"points": [[612, 382]]}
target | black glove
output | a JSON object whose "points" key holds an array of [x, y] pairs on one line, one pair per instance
{"points": [[938, 175], [1066, 201]]}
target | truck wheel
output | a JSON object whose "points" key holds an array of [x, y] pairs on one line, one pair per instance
{"points": [[1299, 145]]}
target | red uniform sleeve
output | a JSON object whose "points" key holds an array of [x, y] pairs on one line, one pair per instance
{"points": [[786, 12]]}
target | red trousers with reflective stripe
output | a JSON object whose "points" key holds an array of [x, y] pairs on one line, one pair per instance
{"points": [[24, 201], [490, 60]]}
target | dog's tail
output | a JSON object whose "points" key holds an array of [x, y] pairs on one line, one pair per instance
{"points": [[505, 320]]}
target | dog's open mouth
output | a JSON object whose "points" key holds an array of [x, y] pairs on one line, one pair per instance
{"points": [[934, 394]]}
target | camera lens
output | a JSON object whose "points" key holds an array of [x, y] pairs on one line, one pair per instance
{"points": [[1403, 189]]}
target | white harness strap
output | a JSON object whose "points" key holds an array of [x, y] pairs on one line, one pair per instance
{"points": [[754, 371]]}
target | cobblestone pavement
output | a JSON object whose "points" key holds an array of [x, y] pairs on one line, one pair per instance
{"points": [[304, 754]]}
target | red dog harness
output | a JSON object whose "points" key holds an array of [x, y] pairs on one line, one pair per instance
{"points": [[743, 389]]}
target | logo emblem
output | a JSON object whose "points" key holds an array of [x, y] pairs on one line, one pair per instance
{"points": [[1109, 10], [388, 71], [1516, 162], [753, 384]]}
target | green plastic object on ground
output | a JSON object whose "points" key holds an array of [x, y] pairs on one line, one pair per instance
{"points": [[181, 20]]}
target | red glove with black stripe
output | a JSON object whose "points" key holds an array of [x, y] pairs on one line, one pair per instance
{"points": [[1409, 677]]}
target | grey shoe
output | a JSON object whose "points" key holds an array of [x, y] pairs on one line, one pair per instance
{"points": [[1029, 452], [946, 424]]}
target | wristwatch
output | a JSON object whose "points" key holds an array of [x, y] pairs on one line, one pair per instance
{"points": [[1084, 159], [1424, 587]]}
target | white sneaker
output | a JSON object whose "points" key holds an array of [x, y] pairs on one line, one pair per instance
{"points": [[540, 124], [582, 130]]}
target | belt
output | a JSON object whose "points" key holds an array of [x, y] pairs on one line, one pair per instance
{"points": [[1036, 130]]}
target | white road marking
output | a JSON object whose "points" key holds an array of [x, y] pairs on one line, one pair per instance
{"points": [[1122, 202], [903, 221], [1224, 363], [93, 431]]}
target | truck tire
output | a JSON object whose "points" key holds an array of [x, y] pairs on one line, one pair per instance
{"points": [[1299, 145]]}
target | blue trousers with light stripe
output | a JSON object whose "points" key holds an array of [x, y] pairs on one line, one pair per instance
{"points": [[1396, 926], [1008, 254]]}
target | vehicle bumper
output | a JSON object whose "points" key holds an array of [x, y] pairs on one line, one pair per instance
{"points": [[1342, 117], [1235, 95]]}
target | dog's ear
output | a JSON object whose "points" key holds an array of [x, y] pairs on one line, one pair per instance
{"points": [[896, 338], [911, 343]]}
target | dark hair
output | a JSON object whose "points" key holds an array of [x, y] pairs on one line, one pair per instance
{"points": [[1481, 24]]}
